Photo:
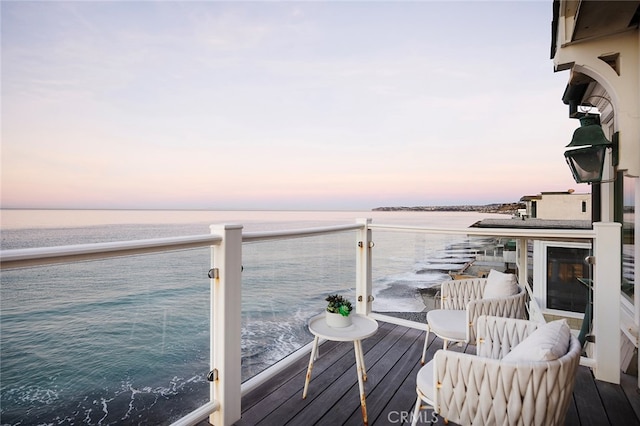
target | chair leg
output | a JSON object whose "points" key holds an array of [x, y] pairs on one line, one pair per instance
{"points": [[416, 412], [445, 344], [424, 348]]}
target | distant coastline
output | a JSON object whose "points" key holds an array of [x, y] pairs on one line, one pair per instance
{"points": [[504, 208]]}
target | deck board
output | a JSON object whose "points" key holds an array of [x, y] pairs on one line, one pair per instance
{"points": [[384, 375], [392, 358], [587, 401], [630, 386], [342, 396], [615, 403], [277, 388]]}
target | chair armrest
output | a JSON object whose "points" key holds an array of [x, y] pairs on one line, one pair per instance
{"points": [[469, 389], [506, 307], [456, 294], [497, 336], [464, 385]]}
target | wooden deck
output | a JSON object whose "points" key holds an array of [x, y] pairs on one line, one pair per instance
{"points": [[392, 358]]}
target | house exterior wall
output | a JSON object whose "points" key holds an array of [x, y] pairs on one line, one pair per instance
{"points": [[599, 43], [620, 89], [564, 207]]}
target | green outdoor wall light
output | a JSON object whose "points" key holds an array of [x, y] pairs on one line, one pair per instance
{"points": [[586, 158]]}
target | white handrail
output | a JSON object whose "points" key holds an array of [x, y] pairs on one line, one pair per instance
{"points": [[19, 258], [554, 234], [198, 415], [297, 233]]}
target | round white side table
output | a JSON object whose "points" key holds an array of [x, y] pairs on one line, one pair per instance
{"points": [[361, 327]]}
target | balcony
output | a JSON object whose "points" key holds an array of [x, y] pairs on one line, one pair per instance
{"points": [[392, 358], [392, 355]]}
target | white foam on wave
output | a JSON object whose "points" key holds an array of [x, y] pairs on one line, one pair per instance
{"points": [[398, 304], [104, 402], [174, 387], [399, 293], [266, 339], [440, 267], [411, 279], [33, 394]]}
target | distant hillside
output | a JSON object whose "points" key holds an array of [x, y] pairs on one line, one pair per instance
{"points": [[505, 208]]}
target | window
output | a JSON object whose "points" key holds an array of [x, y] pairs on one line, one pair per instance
{"points": [[567, 279], [561, 277], [584, 207]]}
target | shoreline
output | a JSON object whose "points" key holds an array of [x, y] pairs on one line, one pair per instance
{"points": [[500, 208], [431, 295]]}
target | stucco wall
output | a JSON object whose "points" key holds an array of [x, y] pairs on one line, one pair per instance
{"points": [[564, 207]]}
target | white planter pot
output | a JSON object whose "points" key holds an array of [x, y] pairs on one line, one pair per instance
{"points": [[337, 320]]}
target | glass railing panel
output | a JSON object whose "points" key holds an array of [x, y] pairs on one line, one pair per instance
{"points": [[123, 340], [409, 267], [284, 283]]}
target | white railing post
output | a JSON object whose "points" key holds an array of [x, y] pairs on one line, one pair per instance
{"points": [[521, 261], [226, 324], [606, 301], [364, 289]]}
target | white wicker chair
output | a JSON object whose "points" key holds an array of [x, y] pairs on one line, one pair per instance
{"points": [[484, 390], [462, 304]]}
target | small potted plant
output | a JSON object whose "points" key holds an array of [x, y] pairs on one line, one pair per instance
{"points": [[338, 311]]}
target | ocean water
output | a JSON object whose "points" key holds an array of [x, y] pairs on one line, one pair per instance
{"points": [[126, 341]]}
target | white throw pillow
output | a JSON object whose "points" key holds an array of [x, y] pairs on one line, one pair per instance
{"points": [[500, 284], [548, 342]]}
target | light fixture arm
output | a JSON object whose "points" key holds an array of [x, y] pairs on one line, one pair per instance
{"points": [[589, 105]]}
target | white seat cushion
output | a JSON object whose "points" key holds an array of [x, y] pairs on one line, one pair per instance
{"points": [[424, 380], [548, 342], [450, 323], [500, 284]]}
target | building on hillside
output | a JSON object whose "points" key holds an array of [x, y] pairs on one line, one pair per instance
{"points": [[566, 205], [598, 42]]}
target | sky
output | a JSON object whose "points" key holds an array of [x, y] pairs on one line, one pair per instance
{"points": [[305, 105]]}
